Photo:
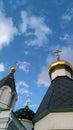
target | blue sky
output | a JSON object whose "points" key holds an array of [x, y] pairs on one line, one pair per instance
{"points": [[30, 32]]}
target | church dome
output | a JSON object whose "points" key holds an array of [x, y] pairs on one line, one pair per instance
{"points": [[61, 63], [60, 68], [25, 113]]}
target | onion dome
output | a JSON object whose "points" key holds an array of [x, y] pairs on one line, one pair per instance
{"points": [[60, 68], [25, 113]]}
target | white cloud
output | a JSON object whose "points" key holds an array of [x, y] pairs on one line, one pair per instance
{"points": [[7, 30], [68, 15], [24, 66], [65, 37], [43, 77], [2, 67], [22, 83], [51, 58], [24, 91], [26, 52], [67, 54], [33, 105], [34, 26], [22, 88], [68, 38]]}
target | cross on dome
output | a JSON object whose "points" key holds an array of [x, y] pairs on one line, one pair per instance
{"points": [[27, 101], [57, 52]]}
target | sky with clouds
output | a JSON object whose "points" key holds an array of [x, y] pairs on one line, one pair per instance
{"points": [[30, 32]]}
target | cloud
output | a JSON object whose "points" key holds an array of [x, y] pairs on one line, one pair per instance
{"points": [[22, 83], [34, 29], [65, 37], [7, 30], [68, 15], [33, 105], [43, 77], [68, 38], [24, 91], [26, 52], [24, 66], [2, 67], [67, 53], [23, 88]]}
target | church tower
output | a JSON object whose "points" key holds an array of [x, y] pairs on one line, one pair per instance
{"points": [[8, 95], [56, 109], [8, 98]]}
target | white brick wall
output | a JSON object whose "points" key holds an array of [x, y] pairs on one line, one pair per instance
{"points": [[56, 121]]}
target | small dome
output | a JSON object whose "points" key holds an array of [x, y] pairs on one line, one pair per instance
{"points": [[25, 113], [60, 68], [60, 63], [13, 69]]}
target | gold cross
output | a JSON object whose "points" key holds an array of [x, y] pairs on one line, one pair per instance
{"points": [[57, 52]]}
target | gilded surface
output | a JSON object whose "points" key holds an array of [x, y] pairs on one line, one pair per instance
{"points": [[60, 63]]}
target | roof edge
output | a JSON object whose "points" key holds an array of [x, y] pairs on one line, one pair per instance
{"points": [[40, 116]]}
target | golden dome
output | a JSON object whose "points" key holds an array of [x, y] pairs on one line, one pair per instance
{"points": [[60, 63], [13, 69]]}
